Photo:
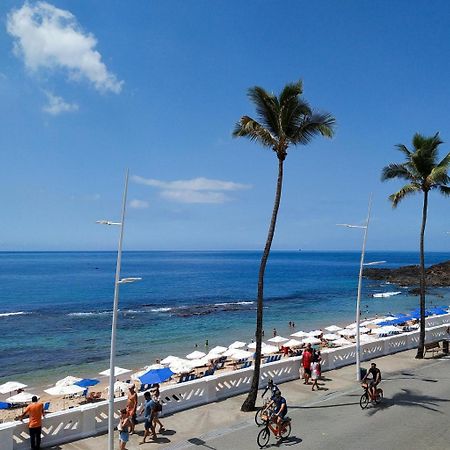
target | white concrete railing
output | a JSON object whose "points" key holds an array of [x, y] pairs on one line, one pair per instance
{"points": [[89, 420]]}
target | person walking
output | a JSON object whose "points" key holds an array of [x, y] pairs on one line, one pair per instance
{"points": [[132, 407], [156, 397], [306, 362], [35, 412], [124, 428], [148, 410]]}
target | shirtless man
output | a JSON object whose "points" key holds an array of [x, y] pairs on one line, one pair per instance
{"points": [[132, 407]]}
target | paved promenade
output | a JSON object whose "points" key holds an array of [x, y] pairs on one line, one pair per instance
{"points": [[413, 415]]}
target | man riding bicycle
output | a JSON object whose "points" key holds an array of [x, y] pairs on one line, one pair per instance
{"points": [[373, 383], [280, 410], [270, 386]]}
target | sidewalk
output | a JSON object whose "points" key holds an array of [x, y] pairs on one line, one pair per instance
{"points": [[188, 425]]}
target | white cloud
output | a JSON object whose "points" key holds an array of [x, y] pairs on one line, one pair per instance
{"points": [[51, 38], [138, 204], [197, 190], [57, 105]]}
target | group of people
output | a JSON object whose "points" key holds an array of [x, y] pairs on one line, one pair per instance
{"points": [[311, 364], [151, 410]]}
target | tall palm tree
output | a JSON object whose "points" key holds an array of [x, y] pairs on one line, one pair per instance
{"points": [[282, 121], [423, 173]]}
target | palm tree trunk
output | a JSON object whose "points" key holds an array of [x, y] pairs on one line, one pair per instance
{"points": [[420, 348], [250, 401]]}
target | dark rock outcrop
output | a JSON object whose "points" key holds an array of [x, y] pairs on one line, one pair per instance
{"points": [[437, 275]]}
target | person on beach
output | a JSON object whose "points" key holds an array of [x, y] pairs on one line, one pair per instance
{"points": [[274, 332], [132, 407], [35, 412], [156, 397], [306, 362], [125, 423], [148, 410]]}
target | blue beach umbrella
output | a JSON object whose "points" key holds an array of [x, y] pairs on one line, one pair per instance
{"points": [[4, 405], [156, 376], [86, 382], [438, 310]]}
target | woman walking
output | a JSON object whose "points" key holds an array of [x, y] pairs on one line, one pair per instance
{"points": [[156, 397], [124, 428]]}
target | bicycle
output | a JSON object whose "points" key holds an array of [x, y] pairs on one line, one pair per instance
{"points": [[366, 398], [263, 413], [264, 435]]}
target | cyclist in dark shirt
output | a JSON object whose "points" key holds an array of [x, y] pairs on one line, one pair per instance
{"points": [[374, 381], [270, 386], [280, 410]]}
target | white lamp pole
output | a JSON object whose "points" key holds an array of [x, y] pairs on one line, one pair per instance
{"points": [[358, 298], [118, 281]]}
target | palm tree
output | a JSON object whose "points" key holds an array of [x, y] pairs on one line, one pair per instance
{"points": [[282, 121], [423, 173]]}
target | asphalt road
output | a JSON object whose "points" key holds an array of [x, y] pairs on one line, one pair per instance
{"points": [[414, 415]]}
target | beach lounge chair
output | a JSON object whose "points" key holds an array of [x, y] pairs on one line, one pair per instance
{"points": [[46, 406], [246, 365]]}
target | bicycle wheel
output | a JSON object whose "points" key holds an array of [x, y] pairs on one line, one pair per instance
{"points": [[364, 400], [379, 396], [286, 430], [259, 417], [263, 437]]}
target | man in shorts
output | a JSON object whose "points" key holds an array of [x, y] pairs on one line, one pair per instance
{"points": [[148, 410], [374, 382], [306, 362], [280, 410], [132, 407]]}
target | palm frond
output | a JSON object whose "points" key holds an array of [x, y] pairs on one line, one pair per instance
{"points": [[397, 171], [292, 114], [267, 108], [313, 125], [291, 91], [250, 128], [444, 190], [405, 191], [439, 175], [404, 150]]}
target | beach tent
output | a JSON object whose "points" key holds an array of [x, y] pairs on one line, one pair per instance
{"points": [[117, 371], [65, 390], [169, 360], [292, 343], [11, 386], [67, 381], [341, 342], [156, 376], [237, 344], [195, 355], [218, 349], [23, 397], [311, 340], [333, 328], [87, 382], [269, 349], [331, 337], [315, 333], [299, 334], [277, 340]]}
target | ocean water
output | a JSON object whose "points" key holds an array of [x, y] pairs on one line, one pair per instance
{"points": [[55, 307]]}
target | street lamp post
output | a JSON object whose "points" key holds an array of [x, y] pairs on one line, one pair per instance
{"points": [[358, 298], [118, 281]]}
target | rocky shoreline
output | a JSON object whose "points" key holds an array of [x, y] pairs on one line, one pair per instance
{"points": [[437, 275]]}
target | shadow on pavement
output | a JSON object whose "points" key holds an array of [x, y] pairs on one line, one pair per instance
{"points": [[200, 442]]}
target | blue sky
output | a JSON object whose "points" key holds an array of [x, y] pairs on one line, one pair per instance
{"points": [[91, 88]]}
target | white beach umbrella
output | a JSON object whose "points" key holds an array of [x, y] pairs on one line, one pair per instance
{"points": [[11, 386], [341, 342], [230, 351], [351, 326], [120, 386], [241, 354], [252, 345], [195, 355], [200, 362], [237, 344], [218, 349], [70, 389], [311, 340], [365, 338], [169, 360], [347, 332], [364, 329], [315, 333], [292, 343], [333, 328], [23, 397], [331, 337], [299, 334], [277, 339], [269, 349], [67, 381], [181, 366], [117, 371]]}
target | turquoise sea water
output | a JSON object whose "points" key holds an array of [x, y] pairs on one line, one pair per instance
{"points": [[55, 308]]}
